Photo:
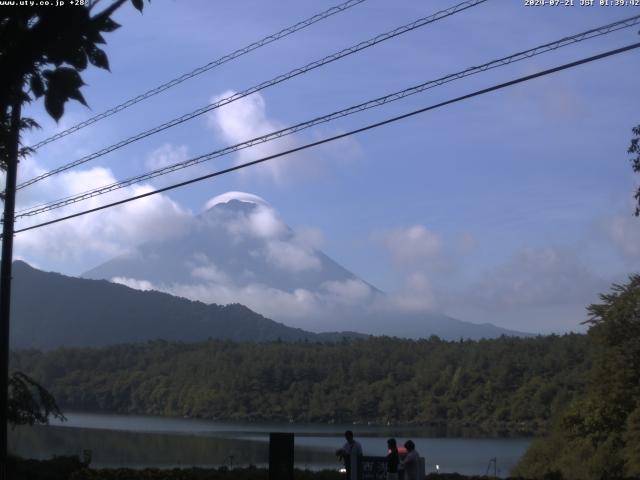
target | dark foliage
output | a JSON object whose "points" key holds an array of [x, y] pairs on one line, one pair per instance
{"points": [[250, 473], [634, 149], [58, 468], [506, 385], [43, 49], [30, 402], [598, 435], [70, 468]]}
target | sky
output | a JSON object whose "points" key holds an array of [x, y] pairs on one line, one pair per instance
{"points": [[514, 208]]}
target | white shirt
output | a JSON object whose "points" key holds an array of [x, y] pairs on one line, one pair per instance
{"points": [[354, 450], [411, 465]]}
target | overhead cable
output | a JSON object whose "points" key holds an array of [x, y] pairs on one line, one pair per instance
{"points": [[269, 83], [343, 135], [204, 68], [595, 32]]}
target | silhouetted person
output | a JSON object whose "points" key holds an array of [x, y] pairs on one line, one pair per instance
{"points": [[411, 463], [393, 460], [351, 453]]}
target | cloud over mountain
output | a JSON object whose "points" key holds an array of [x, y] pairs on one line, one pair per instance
{"points": [[240, 250], [72, 244]]}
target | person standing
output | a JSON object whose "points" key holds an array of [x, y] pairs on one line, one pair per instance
{"points": [[393, 459], [351, 453], [411, 463]]}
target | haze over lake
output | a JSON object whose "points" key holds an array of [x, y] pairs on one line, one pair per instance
{"points": [[140, 441]]}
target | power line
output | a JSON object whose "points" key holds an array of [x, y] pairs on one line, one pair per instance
{"points": [[592, 33], [269, 83], [205, 68], [344, 135]]}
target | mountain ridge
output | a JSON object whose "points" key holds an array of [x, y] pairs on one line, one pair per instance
{"points": [[76, 312], [239, 250]]}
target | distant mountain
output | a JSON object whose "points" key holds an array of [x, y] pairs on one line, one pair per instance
{"points": [[50, 310], [240, 251], [239, 241]]}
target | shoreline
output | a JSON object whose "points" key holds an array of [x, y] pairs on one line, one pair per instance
{"points": [[72, 468], [433, 429]]}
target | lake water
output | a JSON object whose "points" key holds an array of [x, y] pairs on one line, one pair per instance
{"points": [[141, 441]]}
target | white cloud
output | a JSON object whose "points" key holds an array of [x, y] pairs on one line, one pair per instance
{"points": [[143, 285], [203, 268], [300, 307], [545, 276], [261, 222], [625, 234], [415, 296], [297, 307], [265, 222], [82, 242], [245, 119], [292, 257], [535, 290], [351, 292], [310, 237], [166, 155], [413, 244], [239, 196]]}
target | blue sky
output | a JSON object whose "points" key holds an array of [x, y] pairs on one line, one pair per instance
{"points": [[513, 208]]}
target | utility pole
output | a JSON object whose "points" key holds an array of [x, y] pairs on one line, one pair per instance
{"points": [[5, 276]]}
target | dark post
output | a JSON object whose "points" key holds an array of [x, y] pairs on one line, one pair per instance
{"points": [[281, 456], [5, 278]]}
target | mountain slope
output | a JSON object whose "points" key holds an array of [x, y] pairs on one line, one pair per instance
{"points": [[240, 251], [50, 310], [237, 241]]}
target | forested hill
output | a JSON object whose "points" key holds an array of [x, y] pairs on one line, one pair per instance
{"points": [[490, 386], [78, 312]]}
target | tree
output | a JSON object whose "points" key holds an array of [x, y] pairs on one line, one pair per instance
{"points": [[43, 49], [29, 402], [598, 436], [634, 149]]}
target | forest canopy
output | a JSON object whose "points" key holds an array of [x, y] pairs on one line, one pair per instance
{"points": [[505, 385], [598, 434]]}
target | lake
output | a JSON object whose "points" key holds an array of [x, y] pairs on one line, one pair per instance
{"points": [[144, 441]]}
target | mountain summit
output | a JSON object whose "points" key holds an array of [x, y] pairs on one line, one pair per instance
{"points": [[240, 251], [238, 242]]}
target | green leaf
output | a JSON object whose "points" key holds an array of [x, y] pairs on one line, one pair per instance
{"points": [[94, 36], [29, 402], [98, 58], [36, 84], [62, 84], [77, 95], [66, 79], [109, 25], [78, 59], [27, 123], [138, 4], [54, 105]]}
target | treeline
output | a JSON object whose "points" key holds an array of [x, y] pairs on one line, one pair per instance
{"points": [[70, 468], [597, 436], [506, 385]]}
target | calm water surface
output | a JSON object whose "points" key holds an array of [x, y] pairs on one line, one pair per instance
{"points": [[141, 441]]}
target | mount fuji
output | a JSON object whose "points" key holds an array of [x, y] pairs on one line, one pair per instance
{"points": [[240, 251]]}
